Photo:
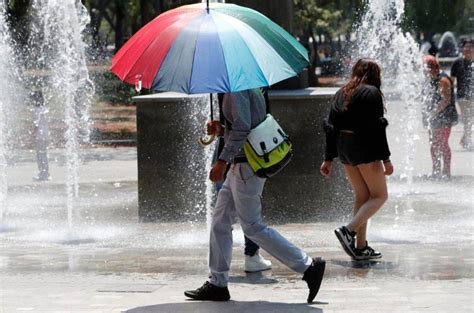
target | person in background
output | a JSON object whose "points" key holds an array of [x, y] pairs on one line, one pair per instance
{"points": [[462, 71], [42, 135], [240, 198], [355, 132], [254, 262], [440, 114], [433, 50]]}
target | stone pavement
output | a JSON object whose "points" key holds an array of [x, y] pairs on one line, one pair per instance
{"points": [[110, 263]]}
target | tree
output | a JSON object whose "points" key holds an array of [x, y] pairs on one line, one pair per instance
{"points": [[437, 16], [122, 18], [150, 9], [315, 18], [17, 13]]}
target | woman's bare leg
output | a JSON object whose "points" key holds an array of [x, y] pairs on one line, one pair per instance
{"points": [[361, 196], [374, 178]]}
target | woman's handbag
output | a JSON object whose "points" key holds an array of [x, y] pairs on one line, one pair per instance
{"points": [[451, 114], [268, 149]]}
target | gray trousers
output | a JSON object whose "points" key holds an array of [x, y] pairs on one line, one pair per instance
{"points": [[240, 199]]}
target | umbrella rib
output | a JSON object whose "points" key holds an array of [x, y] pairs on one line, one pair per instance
{"points": [[222, 16], [219, 46], [153, 41], [271, 28], [192, 63], [148, 27]]}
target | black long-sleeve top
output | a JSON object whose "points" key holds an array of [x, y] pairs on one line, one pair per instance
{"points": [[363, 116]]}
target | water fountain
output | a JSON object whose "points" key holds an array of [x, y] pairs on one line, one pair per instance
{"points": [[3, 162], [380, 37], [126, 257], [7, 90], [200, 114], [210, 188], [56, 31], [447, 46]]}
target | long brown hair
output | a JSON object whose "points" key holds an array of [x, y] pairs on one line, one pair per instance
{"points": [[365, 71]]}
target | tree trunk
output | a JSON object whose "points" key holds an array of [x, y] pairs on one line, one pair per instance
{"points": [[147, 12], [96, 11], [119, 24], [159, 6], [313, 78], [17, 17]]}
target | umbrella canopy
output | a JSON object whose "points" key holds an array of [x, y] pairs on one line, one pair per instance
{"points": [[200, 49]]}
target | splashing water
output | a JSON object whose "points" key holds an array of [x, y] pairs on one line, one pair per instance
{"points": [[57, 27], [200, 157], [7, 90], [380, 37], [4, 52], [447, 45], [210, 188]]}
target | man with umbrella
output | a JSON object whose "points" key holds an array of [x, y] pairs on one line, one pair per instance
{"points": [[240, 198], [224, 48], [254, 261]]}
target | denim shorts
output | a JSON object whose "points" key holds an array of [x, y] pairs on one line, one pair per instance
{"points": [[354, 149]]}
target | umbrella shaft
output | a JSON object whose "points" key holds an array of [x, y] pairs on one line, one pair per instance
{"points": [[212, 111]]}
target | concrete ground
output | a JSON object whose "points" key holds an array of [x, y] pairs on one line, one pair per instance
{"points": [[110, 263]]}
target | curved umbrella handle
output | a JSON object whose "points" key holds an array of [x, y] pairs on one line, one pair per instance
{"points": [[207, 140]]}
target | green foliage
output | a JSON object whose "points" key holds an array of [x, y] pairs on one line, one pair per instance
{"points": [[171, 4], [109, 88], [320, 19], [131, 15], [438, 16], [334, 17]]}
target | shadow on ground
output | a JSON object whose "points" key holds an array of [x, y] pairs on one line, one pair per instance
{"points": [[253, 278], [228, 307], [366, 264]]}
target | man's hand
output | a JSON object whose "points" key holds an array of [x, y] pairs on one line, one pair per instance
{"points": [[218, 171], [214, 128], [326, 168], [388, 168]]}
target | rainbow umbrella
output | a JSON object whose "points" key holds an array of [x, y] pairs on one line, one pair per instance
{"points": [[209, 48]]}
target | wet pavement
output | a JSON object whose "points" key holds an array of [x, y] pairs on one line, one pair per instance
{"points": [[108, 262]]}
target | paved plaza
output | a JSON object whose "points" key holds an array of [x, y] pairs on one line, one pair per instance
{"points": [[111, 263]]}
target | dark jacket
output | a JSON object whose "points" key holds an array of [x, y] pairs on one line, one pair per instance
{"points": [[364, 116]]}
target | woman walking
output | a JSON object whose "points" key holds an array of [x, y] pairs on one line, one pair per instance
{"points": [[355, 132]]}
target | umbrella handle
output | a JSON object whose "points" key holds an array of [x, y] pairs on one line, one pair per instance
{"points": [[207, 140]]}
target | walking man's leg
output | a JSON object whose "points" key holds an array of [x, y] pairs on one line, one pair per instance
{"points": [[220, 250], [246, 191]]}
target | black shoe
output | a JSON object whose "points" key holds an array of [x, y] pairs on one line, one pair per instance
{"points": [[366, 253], [314, 276], [209, 292], [347, 240]]}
